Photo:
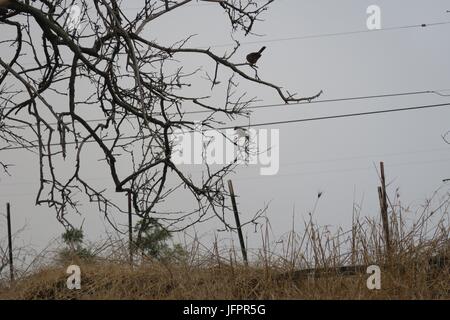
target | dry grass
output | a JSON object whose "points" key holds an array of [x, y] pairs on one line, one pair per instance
{"points": [[155, 281], [417, 268]]}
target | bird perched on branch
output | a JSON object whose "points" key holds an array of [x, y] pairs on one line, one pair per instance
{"points": [[253, 57]]}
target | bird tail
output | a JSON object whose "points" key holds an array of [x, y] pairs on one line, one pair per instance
{"points": [[262, 49]]}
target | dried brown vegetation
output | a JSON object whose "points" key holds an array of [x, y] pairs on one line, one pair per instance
{"points": [[310, 265]]}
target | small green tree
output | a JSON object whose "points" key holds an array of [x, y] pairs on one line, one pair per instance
{"points": [[154, 241], [73, 238]]}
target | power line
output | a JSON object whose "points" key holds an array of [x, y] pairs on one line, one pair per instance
{"points": [[389, 95], [366, 156], [287, 164], [323, 35], [292, 174], [339, 116], [348, 115], [334, 34]]}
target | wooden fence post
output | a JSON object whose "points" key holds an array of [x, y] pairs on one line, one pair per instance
{"points": [[238, 223], [384, 209], [11, 263], [130, 229]]}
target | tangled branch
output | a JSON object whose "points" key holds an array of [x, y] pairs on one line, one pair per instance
{"points": [[55, 77]]}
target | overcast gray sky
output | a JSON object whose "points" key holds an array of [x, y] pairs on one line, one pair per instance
{"points": [[337, 156]]}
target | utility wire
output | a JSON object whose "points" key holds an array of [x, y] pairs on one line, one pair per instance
{"points": [[347, 115], [334, 34], [390, 95], [324, 35], [293, 174], [318, 36], [262, 124], [287, 164], [285, 175]]}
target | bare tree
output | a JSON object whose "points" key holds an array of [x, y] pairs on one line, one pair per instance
{"points": [[51, 71]]}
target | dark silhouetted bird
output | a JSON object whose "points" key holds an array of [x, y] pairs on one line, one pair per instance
{"points": [[253, 57]]}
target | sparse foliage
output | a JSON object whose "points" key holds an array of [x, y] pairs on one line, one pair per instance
{"points": [[54, 80], [154, 242], [73, 238]]}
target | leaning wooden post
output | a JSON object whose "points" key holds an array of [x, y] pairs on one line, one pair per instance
{"points": [[383, 205], [11, 264], [130, 229], [238, 223]]}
